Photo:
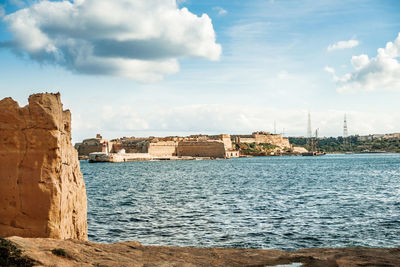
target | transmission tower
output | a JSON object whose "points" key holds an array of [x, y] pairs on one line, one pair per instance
{"points": [[309, 132], [345, 130], [310, 141]]}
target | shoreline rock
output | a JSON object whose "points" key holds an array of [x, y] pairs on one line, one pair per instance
{"points": [[42, 192], [85, 253]]}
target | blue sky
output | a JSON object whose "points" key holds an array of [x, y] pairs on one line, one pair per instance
{"points": [[237, 69]]}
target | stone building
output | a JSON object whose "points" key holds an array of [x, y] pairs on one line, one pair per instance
{"points": [[218, 146], [91, 145], [161, 148], [262, 137], [213, 146], [207, 148]]}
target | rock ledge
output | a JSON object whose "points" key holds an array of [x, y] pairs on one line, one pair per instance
{"points": [[84, 253]]}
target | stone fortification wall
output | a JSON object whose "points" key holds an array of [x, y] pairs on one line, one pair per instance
{"points": [[163, 148], [263, 137], [42, 192], [89, 146], [197, 137], [225, 138], [93, 145], [275, 139], [241, 136], [168, 147], [139, 147], [214, 149], [131, 145], [247, 140], [171, 138]]}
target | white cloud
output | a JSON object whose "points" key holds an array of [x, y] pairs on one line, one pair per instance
{"points": [[124, 117], [131, 38], [117, 121], [283, 75], [336, 78], [343, 45], [378, 73], [220, 11], [329, 69]]}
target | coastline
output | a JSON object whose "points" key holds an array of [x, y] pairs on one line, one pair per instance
{"points": [[44, 195], [51, 252]]}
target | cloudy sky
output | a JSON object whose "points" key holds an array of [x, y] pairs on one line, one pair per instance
{"points": [[166, 67]]}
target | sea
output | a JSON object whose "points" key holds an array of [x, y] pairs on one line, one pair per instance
{"points": [[287, 202]]}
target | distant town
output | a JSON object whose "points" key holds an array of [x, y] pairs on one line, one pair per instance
{"points": [[190, 147], [200, 146]]}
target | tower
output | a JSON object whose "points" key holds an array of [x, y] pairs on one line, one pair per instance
{"points": [[309, 132], [345, 131], [310, 140]]}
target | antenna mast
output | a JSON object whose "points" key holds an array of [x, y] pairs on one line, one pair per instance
{"points": [[345, 130], [309, 135], [316, 143]]}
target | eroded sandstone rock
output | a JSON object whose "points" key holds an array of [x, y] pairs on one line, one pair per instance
{"points": [[42, 192]]}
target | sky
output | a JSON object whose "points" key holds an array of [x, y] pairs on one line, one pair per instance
{"points": [[166, 67]]}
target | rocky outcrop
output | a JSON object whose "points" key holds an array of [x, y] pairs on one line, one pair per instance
{"points": [[42, 192], [50, 252], [299, 150]]}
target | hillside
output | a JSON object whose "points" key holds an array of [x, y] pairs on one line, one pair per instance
{"points": [[354, 144]]}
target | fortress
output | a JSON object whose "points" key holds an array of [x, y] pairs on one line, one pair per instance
{"points": [[262, 138], [194, 146]]}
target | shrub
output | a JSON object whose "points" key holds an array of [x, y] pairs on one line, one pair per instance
{"points": [[60, 252], [10, 255]]}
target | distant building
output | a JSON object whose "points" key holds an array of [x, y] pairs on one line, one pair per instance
{"points": [[218, 146], [372, 137], [212, 146], [262, 137], [92, 145], [392, 136]]}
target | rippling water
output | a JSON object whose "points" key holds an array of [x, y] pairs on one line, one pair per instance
{"points": [[262, 202]]}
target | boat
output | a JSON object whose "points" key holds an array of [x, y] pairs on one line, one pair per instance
{"points": [[314, 147], [314, 153]]}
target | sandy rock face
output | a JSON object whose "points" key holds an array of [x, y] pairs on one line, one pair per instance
{"points": [[42, 192]]}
